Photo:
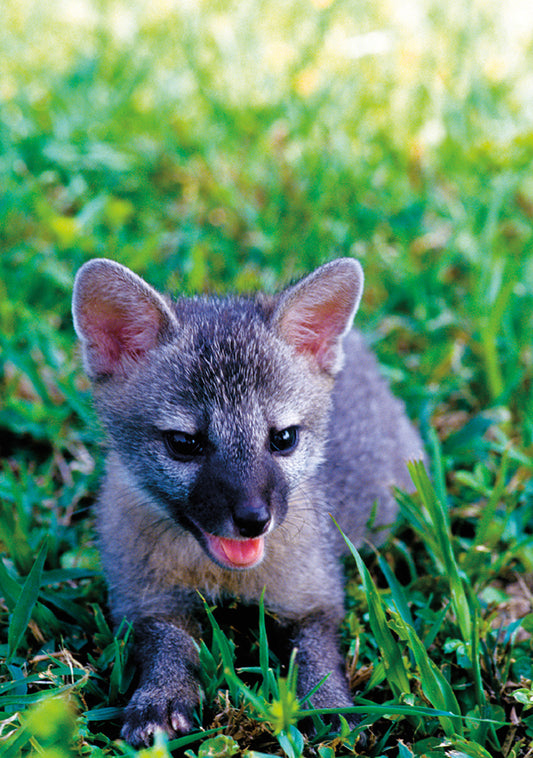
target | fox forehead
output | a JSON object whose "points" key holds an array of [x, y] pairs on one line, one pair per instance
{"points": [[228, 382], [226, 367], [225, 352], [229, 340]]}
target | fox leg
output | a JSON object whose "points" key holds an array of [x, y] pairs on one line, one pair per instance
{"points": [[169, 689], [318, 656]]}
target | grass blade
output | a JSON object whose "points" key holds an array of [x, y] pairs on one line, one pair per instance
{"points": [[483, 531], [226, 653], [441, 524], [398, 595], [434, 685], [268, 685], [25, 603], [397, 674]]}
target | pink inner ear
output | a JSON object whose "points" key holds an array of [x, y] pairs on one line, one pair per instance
{"points": [[311, 327], [115, 333], [316, 330]]}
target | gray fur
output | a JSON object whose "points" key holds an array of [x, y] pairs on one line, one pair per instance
{"points": [[232, 370]]}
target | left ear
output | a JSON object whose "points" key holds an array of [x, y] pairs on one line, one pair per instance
{"points": [[118, 318], [314, 315]]}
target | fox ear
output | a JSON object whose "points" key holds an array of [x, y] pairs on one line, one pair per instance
{"points": [[118, 317], [315, 314]]}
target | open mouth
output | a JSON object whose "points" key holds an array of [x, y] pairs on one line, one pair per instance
{"points": [[236, 554]]}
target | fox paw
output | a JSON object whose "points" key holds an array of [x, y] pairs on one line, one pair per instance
{"points": [[150, 710]]}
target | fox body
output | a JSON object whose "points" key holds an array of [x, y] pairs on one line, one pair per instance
{"points": [[236, 426]]}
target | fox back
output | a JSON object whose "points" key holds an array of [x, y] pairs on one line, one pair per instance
{"points": [[235, 427]]}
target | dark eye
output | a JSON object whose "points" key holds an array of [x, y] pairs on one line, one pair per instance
{"points": [[284, 441], [183, 446]]}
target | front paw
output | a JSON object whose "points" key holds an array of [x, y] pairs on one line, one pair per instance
{"points": [[152, 708]]}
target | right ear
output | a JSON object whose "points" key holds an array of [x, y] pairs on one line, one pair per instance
{"points": [[315, 313], [118, 317]]}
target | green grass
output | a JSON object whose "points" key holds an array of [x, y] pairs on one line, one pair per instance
{"points": [[222, 146]]}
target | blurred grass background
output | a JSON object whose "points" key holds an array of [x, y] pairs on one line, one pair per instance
{"points": [[213, 146]]}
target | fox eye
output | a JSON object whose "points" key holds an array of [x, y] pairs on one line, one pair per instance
{"points": [[183, 446], [284, 441]]}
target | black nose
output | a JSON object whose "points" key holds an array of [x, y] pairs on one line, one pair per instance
{"points": [[252, 518]]}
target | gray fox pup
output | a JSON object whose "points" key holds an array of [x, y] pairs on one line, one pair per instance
{"points": [[235, 427]]}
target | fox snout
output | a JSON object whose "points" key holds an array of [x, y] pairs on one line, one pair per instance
{"points": [[229, 511], [252, 516], [234, 513]]}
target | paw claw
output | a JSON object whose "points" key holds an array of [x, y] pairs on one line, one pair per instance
{"points": [[150, 710], [180, 723], [138, 736]]}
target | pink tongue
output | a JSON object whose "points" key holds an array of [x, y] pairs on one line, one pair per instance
{"points": [[242, 552]]}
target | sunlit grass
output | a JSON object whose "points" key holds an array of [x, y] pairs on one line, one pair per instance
{"points": [[219, 146]]}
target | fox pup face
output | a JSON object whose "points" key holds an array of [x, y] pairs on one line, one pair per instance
{"points": [[211, 403]]}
